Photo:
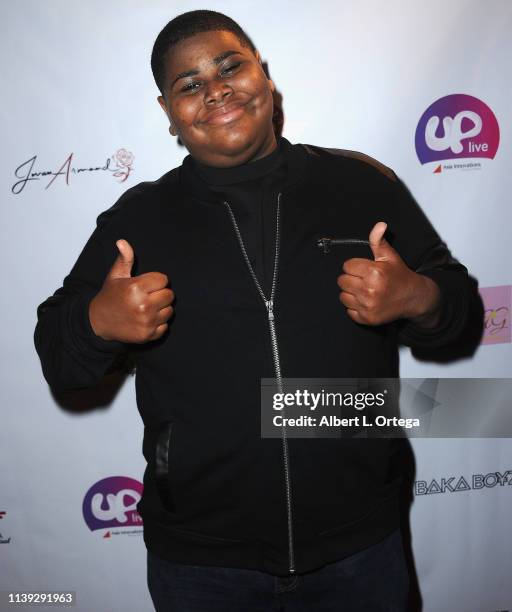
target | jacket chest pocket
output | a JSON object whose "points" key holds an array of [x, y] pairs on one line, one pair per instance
{"points": [[332, 251], [311, 267], [341, 246], [326, 253]]}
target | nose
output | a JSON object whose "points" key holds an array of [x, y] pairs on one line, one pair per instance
{"points": [[216, 92]]}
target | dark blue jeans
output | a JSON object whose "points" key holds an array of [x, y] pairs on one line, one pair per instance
{"points": [[373, 580]]}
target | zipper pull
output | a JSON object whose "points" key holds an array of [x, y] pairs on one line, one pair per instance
{"points": [[324, 244], [270, 308]]}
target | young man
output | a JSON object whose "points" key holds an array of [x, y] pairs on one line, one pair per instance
{"points": [[234, 521]]}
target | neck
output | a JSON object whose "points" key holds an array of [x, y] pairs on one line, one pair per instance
{"points": [[252, 153]]}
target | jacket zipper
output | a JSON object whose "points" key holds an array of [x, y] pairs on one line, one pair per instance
{"points": [[326, 243], [269, 304]]}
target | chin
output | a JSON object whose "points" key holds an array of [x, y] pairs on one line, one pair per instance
{"points": [[231, 144]]}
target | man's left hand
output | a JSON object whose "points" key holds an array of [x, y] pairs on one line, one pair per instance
{"points": [[384, 290]]}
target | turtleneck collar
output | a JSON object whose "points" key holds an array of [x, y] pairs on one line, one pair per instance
{"points": [[237, 174], [195, 182]]}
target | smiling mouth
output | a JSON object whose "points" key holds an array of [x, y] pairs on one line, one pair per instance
{"points": [[225, 114]]}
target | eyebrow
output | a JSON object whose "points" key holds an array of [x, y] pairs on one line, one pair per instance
{"points": [[216, 60]]}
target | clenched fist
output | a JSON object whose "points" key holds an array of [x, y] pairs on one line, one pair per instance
{"points": [[384, 290], [131, 309]]}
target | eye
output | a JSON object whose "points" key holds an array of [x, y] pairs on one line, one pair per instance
{"points": [[231, 68], [191, 87]]}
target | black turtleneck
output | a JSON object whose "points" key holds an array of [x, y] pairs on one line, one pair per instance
{"points": [[251, 189]]}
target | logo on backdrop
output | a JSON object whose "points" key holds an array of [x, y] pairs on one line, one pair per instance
{"points": [[457, 127], [111, 503], [456, 484], [3, 539], [118, 165], [498, 305]]}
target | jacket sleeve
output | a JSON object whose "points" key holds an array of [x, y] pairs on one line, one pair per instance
{"points": [[72, 355], [422, 249]]}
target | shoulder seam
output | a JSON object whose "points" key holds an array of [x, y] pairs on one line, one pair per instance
{"points": [[347, 153]]}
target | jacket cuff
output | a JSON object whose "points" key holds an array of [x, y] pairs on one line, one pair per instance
{"points": [[83, 329], [454, 311]]}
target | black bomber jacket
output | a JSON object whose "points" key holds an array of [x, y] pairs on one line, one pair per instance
{"points": [[215, 491]]}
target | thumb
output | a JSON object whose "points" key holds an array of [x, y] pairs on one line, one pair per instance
{"points": [[381, 249], [122, 267]]}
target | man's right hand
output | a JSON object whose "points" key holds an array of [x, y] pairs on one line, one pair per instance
{"points": [[131, 309]]}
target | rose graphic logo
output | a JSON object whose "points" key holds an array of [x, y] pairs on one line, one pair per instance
{"points": [[123, 160], [457, 126]]}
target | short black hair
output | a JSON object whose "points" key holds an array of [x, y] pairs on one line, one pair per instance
{"points": [[185, 25]]}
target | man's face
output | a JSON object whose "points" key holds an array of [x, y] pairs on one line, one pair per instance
{"points": [[219, 100]]}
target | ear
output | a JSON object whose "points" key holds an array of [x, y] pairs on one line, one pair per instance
{"points": [[260, 61], [172, 127]]}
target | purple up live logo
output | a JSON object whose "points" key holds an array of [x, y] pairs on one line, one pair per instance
{"points": [[112, 502], [455, 127]]}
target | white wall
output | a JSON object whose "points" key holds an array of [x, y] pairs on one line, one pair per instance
{"points": [[355, 75]]}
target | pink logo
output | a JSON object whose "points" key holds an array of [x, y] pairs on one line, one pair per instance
{"points": [[457, 126], [497, 304]]}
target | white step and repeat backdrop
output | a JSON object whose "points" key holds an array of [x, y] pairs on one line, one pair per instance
{"points": [[77, 91]]}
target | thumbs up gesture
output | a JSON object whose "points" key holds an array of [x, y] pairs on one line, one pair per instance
{"points": [[385, 289], [131, 309]]}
